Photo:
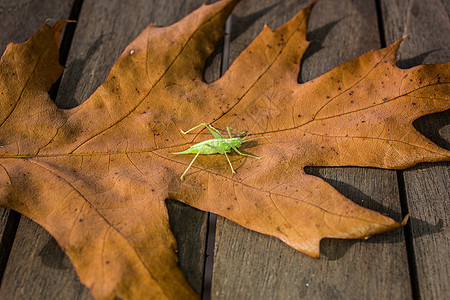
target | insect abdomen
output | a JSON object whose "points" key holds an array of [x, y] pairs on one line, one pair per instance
{"points": [[215, 146]]}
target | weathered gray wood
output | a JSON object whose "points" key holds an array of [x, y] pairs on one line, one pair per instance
{"points": [[189, 227], [39, 269], [18, 21], [427, 185], [105, 28], [249, 265]]}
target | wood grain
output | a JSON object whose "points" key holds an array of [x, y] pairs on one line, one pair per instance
{"points": [[249, 265], [39, 269], [427, 185]]}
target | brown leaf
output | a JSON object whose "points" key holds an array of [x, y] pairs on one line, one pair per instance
{"points": [[96, 176]]}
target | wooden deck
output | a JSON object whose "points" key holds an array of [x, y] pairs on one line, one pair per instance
{"points": [[409, 263]]}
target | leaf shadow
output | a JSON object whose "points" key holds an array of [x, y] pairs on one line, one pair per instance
{"points": [[432, 126], [416, 60], [53, 256], [436, 127], [316, 38], [335, 249], [239, 26], [189, 227], [68, 100]]}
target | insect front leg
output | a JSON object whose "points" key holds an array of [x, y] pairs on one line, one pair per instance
{"points": [[231, 166], [243, 154]]}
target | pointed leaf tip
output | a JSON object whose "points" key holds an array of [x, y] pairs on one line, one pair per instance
{"points": [[405, 220]]}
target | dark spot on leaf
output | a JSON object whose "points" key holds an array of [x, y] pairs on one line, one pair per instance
{"points": [[80, 220]]}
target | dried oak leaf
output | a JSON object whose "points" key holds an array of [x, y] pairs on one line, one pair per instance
{"points": [[96, 176]]}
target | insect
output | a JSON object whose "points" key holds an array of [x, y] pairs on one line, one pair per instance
{"points": [[218, 145]]}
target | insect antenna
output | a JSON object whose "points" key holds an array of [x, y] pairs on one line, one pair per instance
{"points": [[253, 138]]}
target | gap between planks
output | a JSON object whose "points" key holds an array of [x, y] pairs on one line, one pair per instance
{"points": [[212, 217]]}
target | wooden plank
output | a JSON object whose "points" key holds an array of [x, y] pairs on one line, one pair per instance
{"points": [[104, 30], [249, 265], [18, 21], [39, 269], [427, 185]]}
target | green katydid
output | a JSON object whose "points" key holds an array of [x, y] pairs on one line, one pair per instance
{"points": [[218, 145]]}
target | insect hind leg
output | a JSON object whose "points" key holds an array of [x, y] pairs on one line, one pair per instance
{"points": [[229, 131], [195, 127], [185, 171], [216, 133]]}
